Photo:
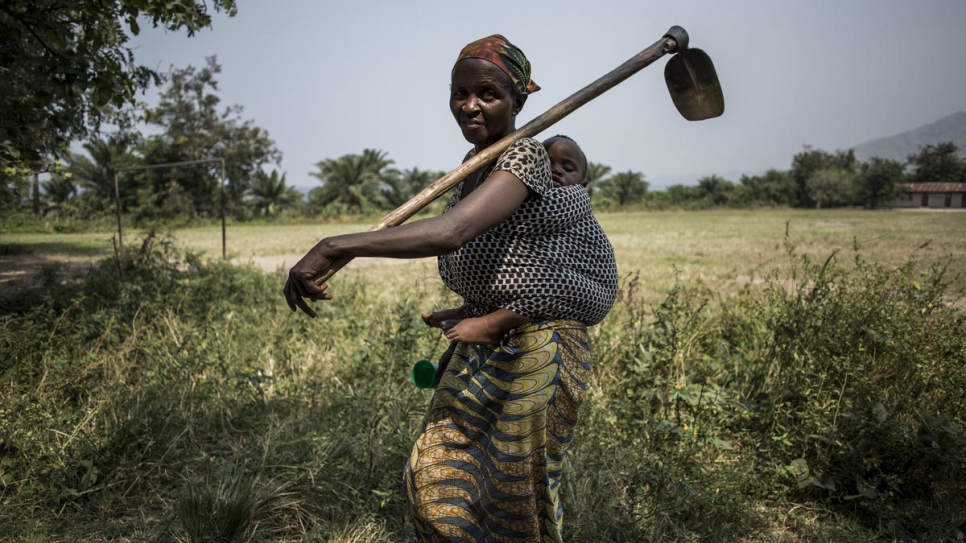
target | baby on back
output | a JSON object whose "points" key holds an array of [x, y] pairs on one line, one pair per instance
{"points": [[568, 166]]}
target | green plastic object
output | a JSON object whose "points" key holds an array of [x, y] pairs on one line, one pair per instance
{"points": [[424, 374]]}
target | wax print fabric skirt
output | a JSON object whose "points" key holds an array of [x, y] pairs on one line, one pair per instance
{"points": [[488, 463]]}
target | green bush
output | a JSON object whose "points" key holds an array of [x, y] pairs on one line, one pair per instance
{"points": [[862, 375], [841, 388], [21, 221]]}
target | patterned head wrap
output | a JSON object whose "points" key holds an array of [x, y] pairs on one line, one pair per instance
{"points": [[506, 56]]}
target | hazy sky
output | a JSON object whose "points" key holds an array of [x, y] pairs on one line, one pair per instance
{"points": [[333, 78]]}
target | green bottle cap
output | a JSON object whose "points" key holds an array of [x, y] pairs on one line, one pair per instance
{"points": [[424, 374]]}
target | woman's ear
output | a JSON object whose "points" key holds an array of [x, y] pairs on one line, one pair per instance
{"points": [[518, 102]]}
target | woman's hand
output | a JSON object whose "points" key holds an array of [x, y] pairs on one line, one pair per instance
{"points": [[301, 280]]}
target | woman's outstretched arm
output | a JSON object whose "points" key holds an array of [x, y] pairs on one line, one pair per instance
{"points": [[484, 208]]}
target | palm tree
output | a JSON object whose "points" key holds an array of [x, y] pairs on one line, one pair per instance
{"points": [[679, 195], [595, 173], [407, 183], [95, 174], [714, 189], [59, 189], [269, 195], [357, 182], [624, 188]]}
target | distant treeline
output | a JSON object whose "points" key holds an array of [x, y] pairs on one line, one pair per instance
{"points": [[242, 174]]}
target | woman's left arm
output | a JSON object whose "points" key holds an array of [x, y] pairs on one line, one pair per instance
{"points": [[485, 207]]}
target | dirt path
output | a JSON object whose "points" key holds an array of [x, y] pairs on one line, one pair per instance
{"points": [[19, 271]]}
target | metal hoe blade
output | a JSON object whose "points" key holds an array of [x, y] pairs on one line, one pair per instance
{"points": [[693, 84]]}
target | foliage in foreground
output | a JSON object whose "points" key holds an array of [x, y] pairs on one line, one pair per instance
{"points": [[163, 398]]}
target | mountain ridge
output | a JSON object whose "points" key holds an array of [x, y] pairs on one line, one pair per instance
{"points": [[900, 146]]}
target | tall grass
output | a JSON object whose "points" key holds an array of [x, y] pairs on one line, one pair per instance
{"points": [[165, 398]]}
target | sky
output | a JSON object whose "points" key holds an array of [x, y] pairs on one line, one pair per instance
{"points": [[328, 78]]}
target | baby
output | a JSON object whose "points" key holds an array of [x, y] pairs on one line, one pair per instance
{"points": [[568, 166]]}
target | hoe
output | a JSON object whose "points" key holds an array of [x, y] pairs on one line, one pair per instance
{"points": [[691, 80]]}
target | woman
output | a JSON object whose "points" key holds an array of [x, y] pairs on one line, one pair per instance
{"points": [[488, 463]]}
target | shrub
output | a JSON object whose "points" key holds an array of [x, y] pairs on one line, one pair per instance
{"points": [[841, 388]]}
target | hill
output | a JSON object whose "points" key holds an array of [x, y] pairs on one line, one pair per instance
{"points": [[900, 146]]}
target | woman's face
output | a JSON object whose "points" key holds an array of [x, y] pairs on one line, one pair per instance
{"points": [[483, 101]]}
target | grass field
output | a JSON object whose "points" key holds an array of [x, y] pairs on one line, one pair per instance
{"points": [[723, 248], [745, 387]]}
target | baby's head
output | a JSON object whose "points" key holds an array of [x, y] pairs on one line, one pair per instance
{"points": [[567, 161]]}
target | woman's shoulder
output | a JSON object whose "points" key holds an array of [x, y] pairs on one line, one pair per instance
{"points": [[528, 160], [522, 145], [526, 145]]}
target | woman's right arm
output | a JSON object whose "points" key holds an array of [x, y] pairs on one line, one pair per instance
{"points": [[482, 209]]}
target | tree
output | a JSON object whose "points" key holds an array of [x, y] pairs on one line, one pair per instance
{"points": [[810, 161], [353, 183], [774, 188], [268, 194], [595, 173], [623, 188], [94, 175], [829, 187], [195, 129], [401, 186], [880, 180], [938, 163], [714, 189], [13, 191], [66, 68], [59, 189], [679, 195]]}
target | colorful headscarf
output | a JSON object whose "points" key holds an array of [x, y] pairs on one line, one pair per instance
{"points": [[506, 56]]}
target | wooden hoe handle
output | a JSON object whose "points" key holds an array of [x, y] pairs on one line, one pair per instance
{"points": [[401, 214]]}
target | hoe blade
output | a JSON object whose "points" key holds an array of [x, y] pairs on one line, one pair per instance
{"points": [[694, 85]]}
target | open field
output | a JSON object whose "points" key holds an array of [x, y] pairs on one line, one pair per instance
{"points": [[743, 388], [723, 248]]}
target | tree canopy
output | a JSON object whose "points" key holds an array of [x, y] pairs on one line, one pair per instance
{"points": [[66, 68], [879, 181], [354, 183], [195, 127], [938, 163], [811, 161]]}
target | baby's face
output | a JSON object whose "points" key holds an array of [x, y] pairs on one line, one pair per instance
{"points": [[567, 163]]}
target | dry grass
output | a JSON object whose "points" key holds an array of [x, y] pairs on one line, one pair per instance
{"points": [[726, 249]]}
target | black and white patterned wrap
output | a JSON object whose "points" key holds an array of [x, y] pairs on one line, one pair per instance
{"points": [[549, 259]]}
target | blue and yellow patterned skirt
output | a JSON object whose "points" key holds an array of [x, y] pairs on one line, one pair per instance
{"points": [[488, 463]]}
